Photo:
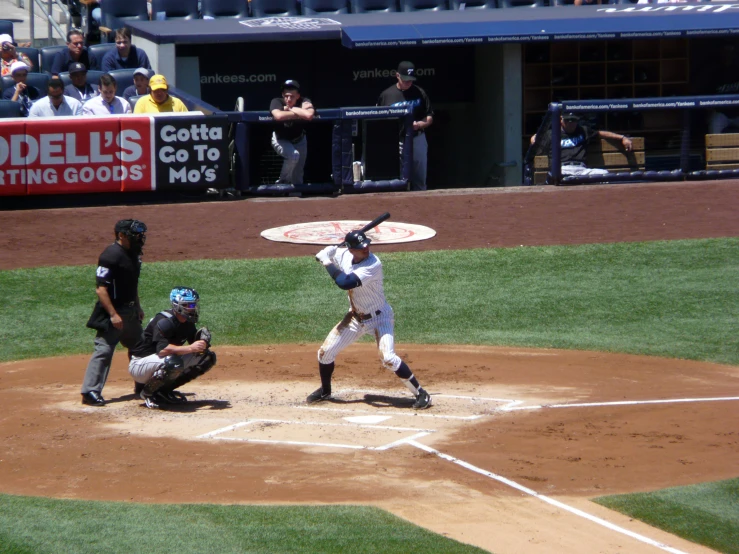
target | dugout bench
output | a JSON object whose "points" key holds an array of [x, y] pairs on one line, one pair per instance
{"points": [[722, 152], [606, 154]]}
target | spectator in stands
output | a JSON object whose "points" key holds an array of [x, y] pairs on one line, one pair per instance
{"points": [[22, 92], [159, 100], [75, 52], [80, 89], [405, 93], [575, 139], [140, 84], [288, 138], [107, 103], [125, 55], [8, 55], [55, 104]]}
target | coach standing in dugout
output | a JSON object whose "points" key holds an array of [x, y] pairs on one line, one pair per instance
{"points": [[288, 139], [405, 93], [117, 315]]}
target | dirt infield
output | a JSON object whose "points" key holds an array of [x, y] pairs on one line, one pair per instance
{"points": [[247, 436]]}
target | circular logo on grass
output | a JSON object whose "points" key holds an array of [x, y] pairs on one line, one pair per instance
{"points": [[333, 232]]}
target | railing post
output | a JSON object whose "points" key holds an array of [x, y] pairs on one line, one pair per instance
{"points": [[32, 22], [555, 169], [48, 20]]}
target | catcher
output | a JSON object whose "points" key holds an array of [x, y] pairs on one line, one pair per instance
{"points": [[161, 361]]}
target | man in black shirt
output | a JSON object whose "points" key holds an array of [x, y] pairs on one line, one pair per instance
{"points": [[288, 138], [76, 52], [406, 93], [161, 361], [117, 315], [574, 145]]}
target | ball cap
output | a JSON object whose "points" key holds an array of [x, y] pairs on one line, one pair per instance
{"points": [[357, 239], [407, 71], [142, 71], [570, 116], [77, 68], [18, 66], [291, 83], [158, 82], [5, 38]]}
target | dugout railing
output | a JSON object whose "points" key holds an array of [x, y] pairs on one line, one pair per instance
{"points": [[342, 152], [689, 141]]}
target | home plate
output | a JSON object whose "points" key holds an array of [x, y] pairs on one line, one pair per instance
{"points": [[369, 419]]}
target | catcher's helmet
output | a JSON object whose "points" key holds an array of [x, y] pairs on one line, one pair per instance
{"points": [[357, 239], [185, 302]]}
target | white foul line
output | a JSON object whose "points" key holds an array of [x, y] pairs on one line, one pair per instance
{"points": [[546, 499], [618, 403]]}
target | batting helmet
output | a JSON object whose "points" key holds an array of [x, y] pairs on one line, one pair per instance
{"points": [[185, 302], [357, 239]]}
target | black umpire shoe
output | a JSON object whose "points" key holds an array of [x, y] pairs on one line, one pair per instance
{"points": [[317, 396], [137, 388], [93, 398]]}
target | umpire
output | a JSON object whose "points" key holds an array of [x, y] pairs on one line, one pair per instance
{"points": [[117, 315]]}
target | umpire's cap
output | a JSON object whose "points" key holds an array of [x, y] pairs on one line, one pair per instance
{"points": [[357, 239]]}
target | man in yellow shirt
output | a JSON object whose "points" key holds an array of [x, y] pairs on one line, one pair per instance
{"points": [[159, 100]]}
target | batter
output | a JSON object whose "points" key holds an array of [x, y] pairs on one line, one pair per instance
{"points": [[356, 270]]}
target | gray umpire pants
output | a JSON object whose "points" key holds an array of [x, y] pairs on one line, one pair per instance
{"points": [[105, 342], [294, 154], [420, 158]]}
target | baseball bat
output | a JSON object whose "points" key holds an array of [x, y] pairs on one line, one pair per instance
{"points": [[372, 224]]}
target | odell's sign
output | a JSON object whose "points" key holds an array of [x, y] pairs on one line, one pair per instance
{"points": [[112, 154]]}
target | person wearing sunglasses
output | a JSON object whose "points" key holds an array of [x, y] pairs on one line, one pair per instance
{"points": [[117, 315], [172, 351], [76, 52], [9, 55], [55, 104]]}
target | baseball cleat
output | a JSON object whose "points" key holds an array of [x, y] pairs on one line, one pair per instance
{"points": [[423, 400], [150, 401], [174, 397], [317, 396]]}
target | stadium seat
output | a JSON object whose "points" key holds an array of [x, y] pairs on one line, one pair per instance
{"points": [[423, 5], [133, 99], [175, 9], [273, 8], [7, 82], [99, 50], [93, 77], [6, 28], [33, 55], [38, 80], [47, 54], [8, 108], [473, 4], [322, 7], [224, 9], [522, 3], [117, 12], [373, 6], [123, 79]]}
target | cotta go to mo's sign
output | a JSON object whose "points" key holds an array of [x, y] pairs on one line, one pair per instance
{"points": [[333, 232]]}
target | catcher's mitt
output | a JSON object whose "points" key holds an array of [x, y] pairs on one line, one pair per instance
{"points": [[203, 334]]}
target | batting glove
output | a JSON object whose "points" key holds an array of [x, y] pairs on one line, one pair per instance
{"points": [[323, 258]]}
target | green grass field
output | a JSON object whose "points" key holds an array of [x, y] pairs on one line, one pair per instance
{"points": [[674, 299], [707, 513]]}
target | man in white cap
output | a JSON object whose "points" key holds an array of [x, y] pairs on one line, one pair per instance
{"points": [[55, 104], [140, 85], [22, 92], [79, 88], [8, 55], [107, 103]]}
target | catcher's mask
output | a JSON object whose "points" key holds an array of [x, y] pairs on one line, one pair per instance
{"points": [[134, 230], [185, 302], [357, 239]]}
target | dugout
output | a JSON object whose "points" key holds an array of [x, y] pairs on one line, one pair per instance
{"points": [[490, 73]]}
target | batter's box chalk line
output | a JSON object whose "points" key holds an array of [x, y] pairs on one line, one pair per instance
{"points": [[417, 434], [349, 393]]}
